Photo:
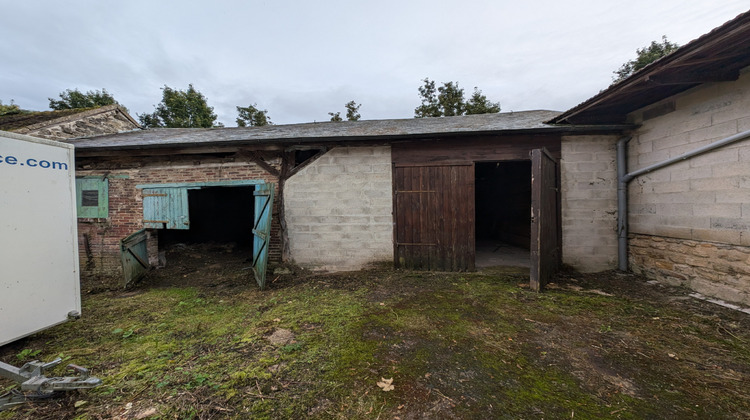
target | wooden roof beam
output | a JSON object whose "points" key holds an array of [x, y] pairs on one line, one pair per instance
{"points": [[256, 157], [692, 77], [174, 150], [728, 56]]}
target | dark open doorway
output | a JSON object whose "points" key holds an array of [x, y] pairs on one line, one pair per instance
{"points": [[218, 215], [503, 213]]}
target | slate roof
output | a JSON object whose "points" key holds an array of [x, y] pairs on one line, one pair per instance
{"points": [[508, 122]]}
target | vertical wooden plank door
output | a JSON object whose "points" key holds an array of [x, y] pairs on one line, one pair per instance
{"points": [[434, 217], [262, 231], [545, 239]]}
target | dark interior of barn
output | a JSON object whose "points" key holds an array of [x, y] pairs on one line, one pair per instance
{"points": [[503, 212], [218, 215]]}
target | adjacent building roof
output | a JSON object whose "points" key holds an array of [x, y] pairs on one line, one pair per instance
{"points": [[714, 57], [525, 122], [27, 122], [12, 122]]}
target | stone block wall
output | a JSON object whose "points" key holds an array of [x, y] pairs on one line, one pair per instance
{"points": [[99, 239], [700, 204], [711, 268], [589, 202], [339, 209], [105, 120]]}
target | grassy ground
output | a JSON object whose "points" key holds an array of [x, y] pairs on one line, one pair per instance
{"points": [[194, 342]]}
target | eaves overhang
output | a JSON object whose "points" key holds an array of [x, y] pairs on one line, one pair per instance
{"points": [[718, 56]]}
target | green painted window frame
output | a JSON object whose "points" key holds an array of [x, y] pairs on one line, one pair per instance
{"points": [[101, 186]]}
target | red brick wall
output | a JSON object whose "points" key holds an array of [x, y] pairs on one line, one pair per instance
{"points": [[99, 239]]}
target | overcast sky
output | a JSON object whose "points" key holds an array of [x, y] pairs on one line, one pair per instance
{"points": [[302, 59]]}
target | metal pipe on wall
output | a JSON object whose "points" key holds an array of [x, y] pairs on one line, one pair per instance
{"points": [[624, 178], [622, 204]]}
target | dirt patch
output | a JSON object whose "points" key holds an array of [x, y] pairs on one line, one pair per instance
{"points": [[281, 337], [203, 265]]}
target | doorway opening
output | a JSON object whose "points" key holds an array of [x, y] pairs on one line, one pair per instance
{"points": [[503, 213], [219, 216]]}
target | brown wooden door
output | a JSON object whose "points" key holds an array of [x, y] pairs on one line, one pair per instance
{"points": [[434, 217], [545, 233]]}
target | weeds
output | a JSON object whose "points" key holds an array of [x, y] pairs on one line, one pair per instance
{"points": [[454, 346], [27, 354]]}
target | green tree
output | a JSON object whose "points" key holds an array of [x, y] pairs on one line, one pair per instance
{"points": [[479, 104], [430, 106], [9, 109], [251, 116], [181, 109], [451, 99], [71, 99], [352, 111], [448, 100], [644, 57]]}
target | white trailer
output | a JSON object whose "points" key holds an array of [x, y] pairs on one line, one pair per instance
{"points": [[39, 274], [39, 277]]}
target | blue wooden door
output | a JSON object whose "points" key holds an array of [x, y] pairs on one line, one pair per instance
{"points": [[134, 257], [262, 231], [165, 208]]}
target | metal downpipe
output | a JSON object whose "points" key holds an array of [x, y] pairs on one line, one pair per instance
{"points": [[622, 204], [623, 178]]}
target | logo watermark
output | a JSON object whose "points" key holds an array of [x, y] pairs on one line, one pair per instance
{"points": [[34, 163]]}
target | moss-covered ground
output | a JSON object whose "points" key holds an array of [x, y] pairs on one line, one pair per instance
{"points": [[456, 345]]}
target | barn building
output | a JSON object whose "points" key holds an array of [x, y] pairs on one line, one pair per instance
{"points": [[420, 192], [651, 174]]}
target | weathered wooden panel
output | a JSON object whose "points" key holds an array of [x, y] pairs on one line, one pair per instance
{"points": [[134, 255], [451, 151], [165, 208], [434, 217], [545, 239], [262, 231], [92, 197]]}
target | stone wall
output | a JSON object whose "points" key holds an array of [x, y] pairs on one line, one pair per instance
{"points": [[589, 202], [99, 239], [106, 120], [711, 268], [339, 209], [700, 204]]}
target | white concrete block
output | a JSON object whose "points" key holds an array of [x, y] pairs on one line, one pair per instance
{"points": [[344, 203], [714, 184], [718, 210]]}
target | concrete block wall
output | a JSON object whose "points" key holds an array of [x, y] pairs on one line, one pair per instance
{"points": [[339, 209], [700, 204], [99, 239], [589, 202]]}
